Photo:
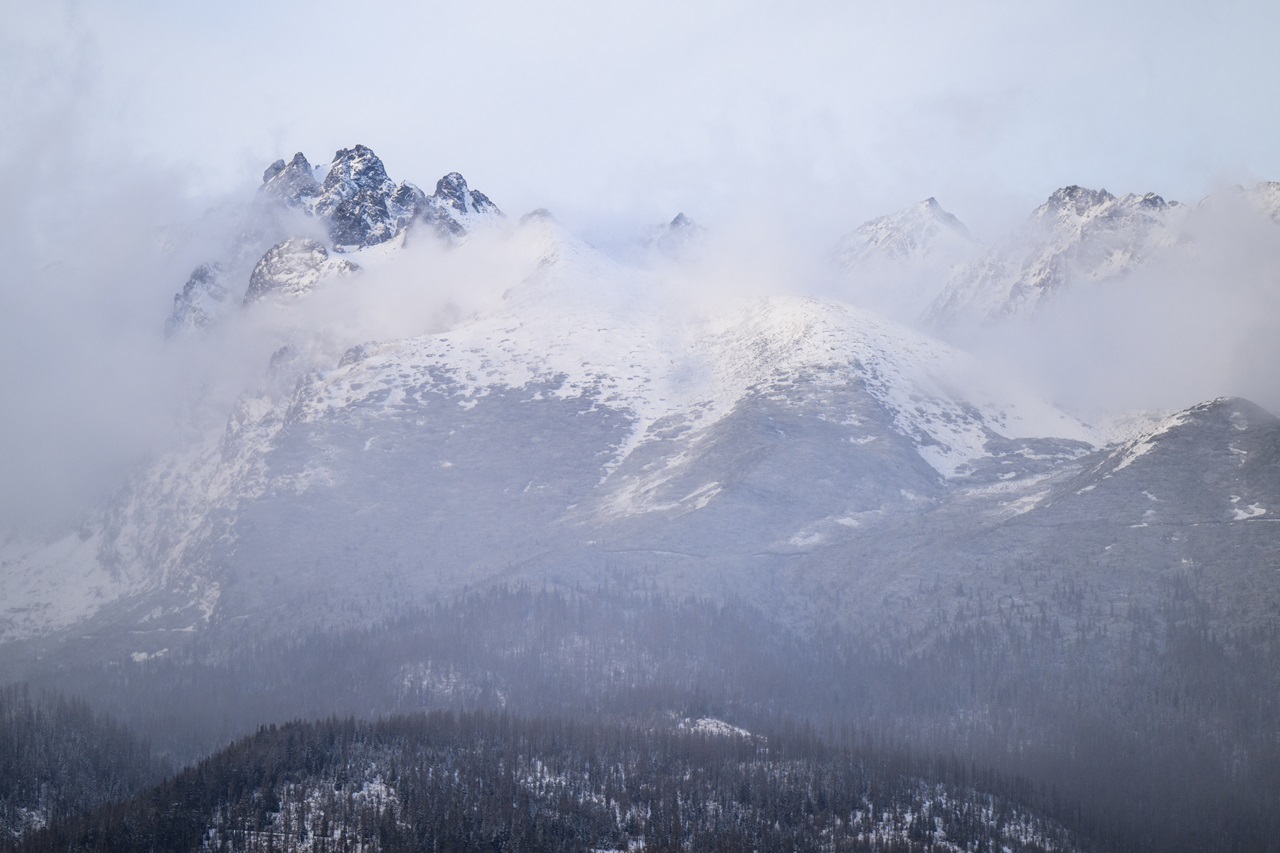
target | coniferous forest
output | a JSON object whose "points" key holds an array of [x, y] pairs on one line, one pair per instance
{"points": [[600, 719]]}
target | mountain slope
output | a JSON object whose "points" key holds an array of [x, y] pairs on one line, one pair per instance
{"points": [[1077, 235], [898, 263], [586, 407]]}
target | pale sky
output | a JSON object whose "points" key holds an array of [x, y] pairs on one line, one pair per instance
{"points": [[615, 114]]}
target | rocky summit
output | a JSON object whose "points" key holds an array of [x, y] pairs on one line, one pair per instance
{"points": [[305, 213]]}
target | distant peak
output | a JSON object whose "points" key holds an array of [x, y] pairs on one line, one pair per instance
{"points": [[539, 215], [1078, 198], [357, 152], [357, 162], [451, 184], [297, 165], [1153, 201], [682, 224]]}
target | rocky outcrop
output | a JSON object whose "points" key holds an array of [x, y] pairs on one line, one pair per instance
{"points": [[293, 268]]}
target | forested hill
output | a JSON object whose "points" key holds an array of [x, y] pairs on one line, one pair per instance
{"points": [[485, 781], [1120, 736], [59, 758]]}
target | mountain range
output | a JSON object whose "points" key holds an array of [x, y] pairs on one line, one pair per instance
{"points": [[592, 424]]}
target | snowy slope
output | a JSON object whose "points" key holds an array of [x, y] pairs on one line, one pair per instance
{"points": [[580, 412], [898, 263]]}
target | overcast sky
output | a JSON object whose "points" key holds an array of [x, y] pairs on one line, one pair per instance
{"points": [[620, 113]]}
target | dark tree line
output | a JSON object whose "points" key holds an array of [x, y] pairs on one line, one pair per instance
{"points": [[488, 781], [1157, 733]]}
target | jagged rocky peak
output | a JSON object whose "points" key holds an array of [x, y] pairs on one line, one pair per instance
{"points": [[362, 206], [1153, 202], [203, 298], [677, 239], [1075, 203], [293, 183], [354, 203], [1077, 235], [683, 224], [1075, 198], [454, 208], [452, 192], [293, 268]]}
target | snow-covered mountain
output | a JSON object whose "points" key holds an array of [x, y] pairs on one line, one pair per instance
{"points": [[1085, 238], [677, 240], [919, 232], [806, 454], [898, 263], [1077, 235]]}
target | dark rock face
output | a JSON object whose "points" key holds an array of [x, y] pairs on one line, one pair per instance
{"points": [[1076, 198], [363, 207], [357, 205], [292, 268], [453, 193], [294, 184], [453, 208]]}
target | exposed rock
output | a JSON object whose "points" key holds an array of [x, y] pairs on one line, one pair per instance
{"points": [[293, 268], [294, 184], [677, 239], [203, 298]]}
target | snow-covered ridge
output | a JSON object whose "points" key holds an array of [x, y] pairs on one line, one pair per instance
{"points": [[1078, 234], [592, 327], [897, 264], [921, 231]]}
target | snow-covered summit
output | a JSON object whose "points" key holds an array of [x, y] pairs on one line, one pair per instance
{"points": [[898, 263], [676, 240], [294, 183], [348, 205], [923, 230], [1077, 235], [359, 203]]}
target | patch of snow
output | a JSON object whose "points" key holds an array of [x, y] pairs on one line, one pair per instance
{"points": [[1252, 511], [715, 727], [45, 587], [1138, 447]]}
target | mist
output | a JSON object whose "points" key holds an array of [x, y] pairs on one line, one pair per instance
{"points": [[1197, 320]]}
